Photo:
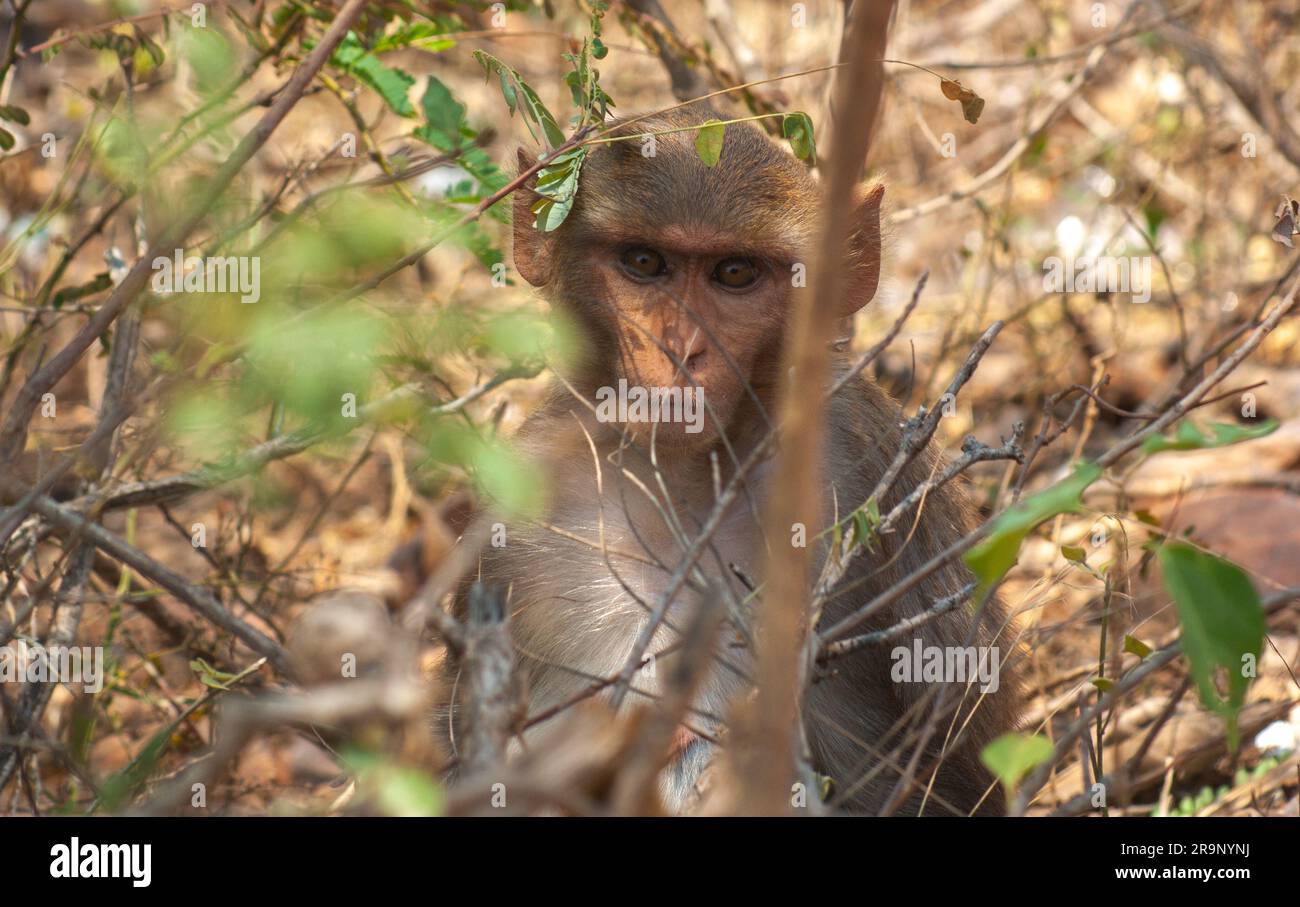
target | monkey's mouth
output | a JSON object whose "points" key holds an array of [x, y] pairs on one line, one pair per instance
{"points": [[688, 760], [681, 742], [688, 753]]}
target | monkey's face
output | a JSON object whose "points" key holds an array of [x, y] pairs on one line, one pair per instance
{"points": [[694, 316], [683, 274]]}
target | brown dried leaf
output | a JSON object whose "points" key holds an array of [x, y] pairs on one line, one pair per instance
{"points": [[972, 105]]}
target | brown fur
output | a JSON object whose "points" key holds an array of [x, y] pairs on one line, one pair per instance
{"points": [[573, 617]]}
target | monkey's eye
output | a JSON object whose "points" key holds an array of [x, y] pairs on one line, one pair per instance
{"points": [[735, 273], [641, 263]]}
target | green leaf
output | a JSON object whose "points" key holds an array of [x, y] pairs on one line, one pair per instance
{"points": [[101, 282], [14, 114], [123, 784], [210, 676], [1146, 516], [211, 56], [428, 36], [1189, 437], [557, 184], [410, 793], [865, 520], [477, 163], [584, 80], [520, 96], [708, 142], [1104, 684], [470, 236], [1075, 554], [1037, 149], [354, 233], [312, 363], [1013, 756], [499, 472], [6, 139], [395, 789], [1222, 622], [1135, 646], [993, 557], [121, 152], [797, 127], [391, 84], [207, 423], [1155, 216], [150, 47], [861, 528], [525, 338], [443, 115], [445, 128]]}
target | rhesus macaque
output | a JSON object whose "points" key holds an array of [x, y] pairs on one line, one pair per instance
{"points": [[682, 276]]}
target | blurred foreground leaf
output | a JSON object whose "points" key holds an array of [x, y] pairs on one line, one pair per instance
{"points": [[395, 790], [1013, 756], [1190, 437], [993, 557], [1223, 626]]}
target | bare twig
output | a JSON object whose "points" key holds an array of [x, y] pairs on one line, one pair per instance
{"points": [[493, 696], [897, 631]]}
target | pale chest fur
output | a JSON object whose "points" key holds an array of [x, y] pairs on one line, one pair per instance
{"points": [[584, 581]]}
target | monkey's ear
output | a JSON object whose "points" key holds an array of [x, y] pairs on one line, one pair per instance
{"points": [[532, 246], [864, 250]]}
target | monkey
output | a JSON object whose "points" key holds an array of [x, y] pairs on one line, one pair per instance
{"points": [[680, 276]]}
